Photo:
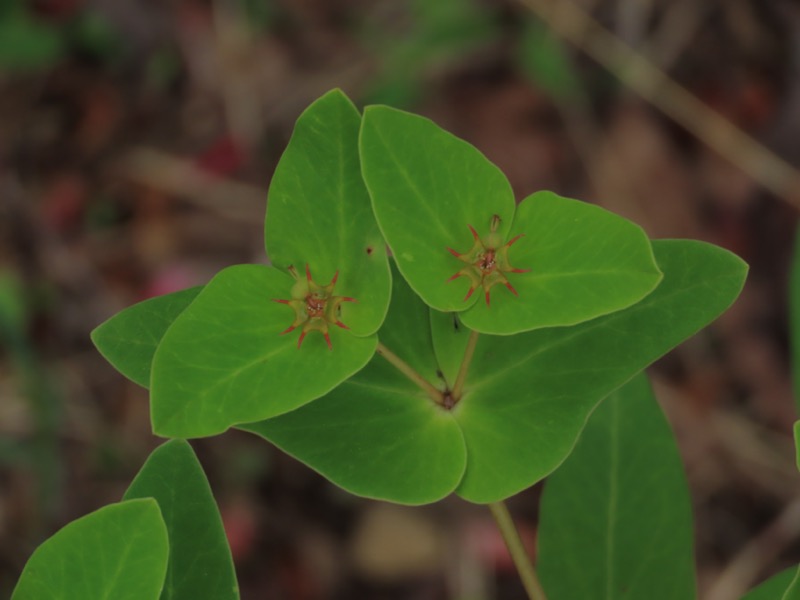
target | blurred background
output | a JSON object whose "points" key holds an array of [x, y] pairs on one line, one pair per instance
{"points": [[137, 142]]}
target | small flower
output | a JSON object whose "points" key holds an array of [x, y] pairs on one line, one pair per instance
{"points": [[487, 263], [315, 307]]}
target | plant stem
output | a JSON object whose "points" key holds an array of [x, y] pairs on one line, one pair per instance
{"points": [[517, 550], [458, 388], [409, 372]]}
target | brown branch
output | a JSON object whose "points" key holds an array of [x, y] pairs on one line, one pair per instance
{"points": [[572, 23]]}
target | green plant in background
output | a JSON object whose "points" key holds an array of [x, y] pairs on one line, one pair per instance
{"points": [[468, 362], [29, 43], [431, 37], [26, 44]]}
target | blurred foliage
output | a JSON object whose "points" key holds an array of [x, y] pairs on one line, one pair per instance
{"points": [[542, 57], [259, 14], [435, 35], [92, 33], [27, 44], [39, 451]]}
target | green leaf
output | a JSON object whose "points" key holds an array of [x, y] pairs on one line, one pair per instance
{"points": [[780, 586], [616, 517], [527, 397], [428, 190], [378, 435], [119, 551], [200, 563], [319, 212], [426, 187], [224, 361], [129, 339], [584, 261]]}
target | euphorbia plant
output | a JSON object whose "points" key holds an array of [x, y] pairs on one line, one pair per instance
{"points": [[465, 360]]}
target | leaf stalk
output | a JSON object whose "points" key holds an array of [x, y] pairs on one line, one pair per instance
{"points": [[469, 352], [517, 550], [409, 372]]}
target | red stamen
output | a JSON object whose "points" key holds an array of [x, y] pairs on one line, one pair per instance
{"points": [[474, 233], [335, 277], [519, 270], [453, 252], [511, 287], [347, 299], [280, 301], [308, 273], [459, 274], [340, 324], [469, 293], [285, 331], [514, 239], [487, 297], [300, 341], [328, 340]]}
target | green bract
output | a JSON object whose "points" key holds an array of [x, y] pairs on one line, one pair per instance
{"points": [[526, 397], [119, 551], [260, 341], [449, 216]]}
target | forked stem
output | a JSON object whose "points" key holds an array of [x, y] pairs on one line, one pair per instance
{"points": [[469, 352], [517, 550], [409, 372]]}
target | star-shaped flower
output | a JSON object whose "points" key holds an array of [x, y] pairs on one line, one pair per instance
{"points": [[315, 307], [487, 262]]}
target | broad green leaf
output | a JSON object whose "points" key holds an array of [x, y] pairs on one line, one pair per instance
{"points": [[200, 563], [224, 361], [427, 186], [129, 339], [527, 397], [780, 586], [378, 435], [319, 212], [584, 261], [444, 209], [616, 518], [119, 551]]}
